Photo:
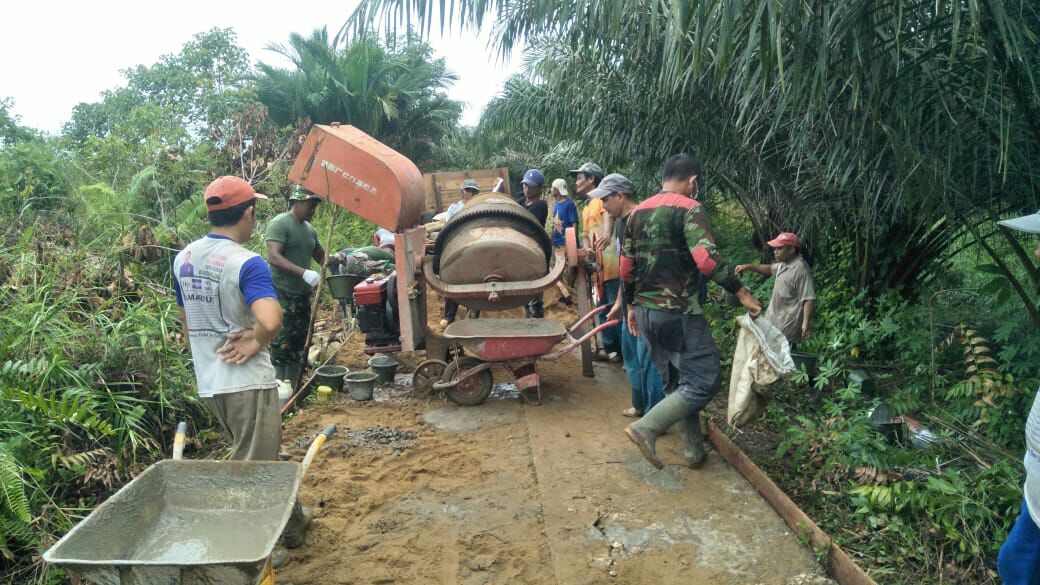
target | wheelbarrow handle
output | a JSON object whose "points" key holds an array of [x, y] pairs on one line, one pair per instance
{"points": [[587, 316], [316, 446], [178, 440], [572, 343]]}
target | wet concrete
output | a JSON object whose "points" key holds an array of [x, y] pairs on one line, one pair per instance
{"points": [[609, 514], [462, 419], [217, 519]]}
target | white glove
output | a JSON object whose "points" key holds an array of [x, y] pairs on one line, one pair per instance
{"points": [[311, 277]]}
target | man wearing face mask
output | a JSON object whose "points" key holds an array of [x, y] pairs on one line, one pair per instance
{"points": [[291, 246], [669, 247]]}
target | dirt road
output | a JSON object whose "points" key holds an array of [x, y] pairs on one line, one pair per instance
{"points": [[427, 492]]}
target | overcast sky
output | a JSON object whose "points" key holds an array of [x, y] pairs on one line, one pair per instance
{"points": [[54, 55]]}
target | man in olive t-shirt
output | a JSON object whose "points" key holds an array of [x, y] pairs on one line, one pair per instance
{"points": [[794, 297], [291, 245]]}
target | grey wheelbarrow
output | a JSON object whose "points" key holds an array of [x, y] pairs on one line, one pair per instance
{"points": [[187, 523]]}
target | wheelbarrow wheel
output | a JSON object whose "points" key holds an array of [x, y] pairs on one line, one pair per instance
{"points": [[474, 389], [425, 375]]}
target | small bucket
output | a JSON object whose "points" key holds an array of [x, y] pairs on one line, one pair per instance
{"points": [[360, 385], [342, 285], [384, 367], [324, 394], [331, 376]]}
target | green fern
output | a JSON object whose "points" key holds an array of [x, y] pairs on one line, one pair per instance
{"points": [[73, 406], [12, 491]]}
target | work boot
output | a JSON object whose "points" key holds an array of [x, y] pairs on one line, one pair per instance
{"points": [[693, 441], [299, 523], [644, 432]]}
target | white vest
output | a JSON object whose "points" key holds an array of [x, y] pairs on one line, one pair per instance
{"points": [[207, 271], [1032, 461]]}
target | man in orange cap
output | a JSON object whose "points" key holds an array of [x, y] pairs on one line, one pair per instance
{"points": [[791, 306], [230, 314]]}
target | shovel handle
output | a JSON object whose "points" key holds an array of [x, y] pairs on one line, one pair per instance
{"points": [[316, 446], [178, 440]]}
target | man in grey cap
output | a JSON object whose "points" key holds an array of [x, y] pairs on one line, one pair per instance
{"points": [[596, 227], [586, 178], [1019, 559], [618, 196]]}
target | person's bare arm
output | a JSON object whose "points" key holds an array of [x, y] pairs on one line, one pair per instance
{"points": [[319, 255], [615, 309], [608, 225], [243, 345], [807, 310], [763, 269], [274, 256]]}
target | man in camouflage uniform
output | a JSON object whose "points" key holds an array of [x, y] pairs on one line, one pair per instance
{"points": [[291, 246], [668, 247]]}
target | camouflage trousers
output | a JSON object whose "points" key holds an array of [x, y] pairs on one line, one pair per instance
{"points": [[287, 348]]}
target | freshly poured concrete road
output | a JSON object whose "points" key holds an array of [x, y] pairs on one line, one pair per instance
{"points": [[512, 493]]}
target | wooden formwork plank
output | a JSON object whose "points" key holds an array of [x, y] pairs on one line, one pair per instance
{"points": [[838, 563], [442, 189]]}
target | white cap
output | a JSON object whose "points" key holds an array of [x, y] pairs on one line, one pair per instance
{"points": [[561, 186]]}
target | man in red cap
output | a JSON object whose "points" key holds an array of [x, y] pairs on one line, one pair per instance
{"points": [[791, 306], [230, 314]]}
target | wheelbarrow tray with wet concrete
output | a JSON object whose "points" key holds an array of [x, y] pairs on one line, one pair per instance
{"points": [[513, 344], [185, 523]]}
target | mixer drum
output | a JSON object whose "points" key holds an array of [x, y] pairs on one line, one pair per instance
{"points": [[492, 239]]}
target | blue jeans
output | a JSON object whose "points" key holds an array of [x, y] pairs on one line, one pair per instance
{"points": [[647, 389], [611, 336], [1019, 560]]}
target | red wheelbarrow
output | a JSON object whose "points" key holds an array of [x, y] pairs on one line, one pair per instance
{"points": [[514, 345]]}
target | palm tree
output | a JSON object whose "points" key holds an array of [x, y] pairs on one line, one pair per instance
{"points": [[887, 129], [395, 92]]}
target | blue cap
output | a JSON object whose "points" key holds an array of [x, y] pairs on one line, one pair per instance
{"points": [[534, 178]]}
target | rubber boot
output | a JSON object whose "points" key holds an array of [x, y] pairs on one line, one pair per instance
{"points": [[279, 373], [644, 432], [299, 523], [693, 441]]}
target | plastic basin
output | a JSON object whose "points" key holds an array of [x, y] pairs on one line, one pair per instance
{"points": [[331, 376], [360, 385], [384, 368]]}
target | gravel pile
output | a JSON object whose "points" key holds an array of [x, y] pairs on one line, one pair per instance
{"points": [[379, 436]]}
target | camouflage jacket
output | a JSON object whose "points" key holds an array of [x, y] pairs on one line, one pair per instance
{"points": [[668, 248]]}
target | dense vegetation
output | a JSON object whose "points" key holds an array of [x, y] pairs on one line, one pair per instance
{"points": [[93, 374], [891, 136]]}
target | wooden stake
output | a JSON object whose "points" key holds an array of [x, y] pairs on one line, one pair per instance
{"points": [[317, 298]]}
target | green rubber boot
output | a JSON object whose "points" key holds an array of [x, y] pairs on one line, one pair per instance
{"points": [[644, 432], [693, 441]]}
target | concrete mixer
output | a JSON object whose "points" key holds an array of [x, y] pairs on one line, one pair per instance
{"points": [[493, 255]]}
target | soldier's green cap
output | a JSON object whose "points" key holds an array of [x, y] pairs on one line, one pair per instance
{"points": [[299, 194]]}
